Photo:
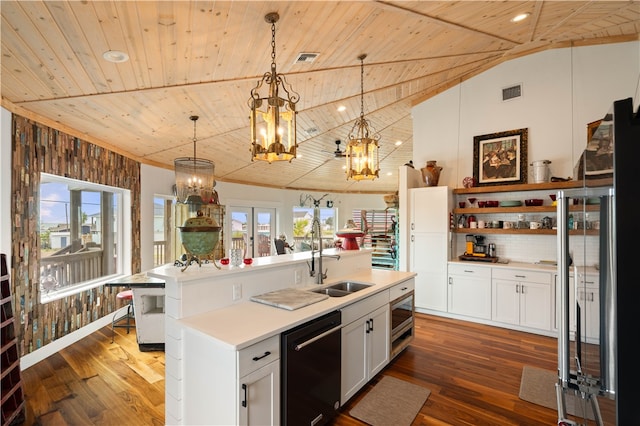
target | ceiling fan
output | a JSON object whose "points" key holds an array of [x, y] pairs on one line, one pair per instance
{"points": [[338, 153]]}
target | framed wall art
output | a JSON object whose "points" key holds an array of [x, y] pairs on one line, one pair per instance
{"points": [[500, 158]]}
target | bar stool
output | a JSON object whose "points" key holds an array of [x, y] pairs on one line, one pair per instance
{"points": [[123, 295]]}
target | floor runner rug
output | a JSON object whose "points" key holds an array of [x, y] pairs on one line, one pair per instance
{"points": [[391, 402], [539, 386]]}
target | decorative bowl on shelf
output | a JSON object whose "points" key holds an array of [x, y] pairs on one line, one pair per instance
{"points": [[533, 202], [492, 204], [482, 203], [510, 203]]}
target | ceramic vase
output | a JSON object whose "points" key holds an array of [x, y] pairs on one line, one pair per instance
{"points": [[431, 173]]}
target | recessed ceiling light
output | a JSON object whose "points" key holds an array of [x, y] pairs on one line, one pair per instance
{"points": [[344, 167], [115, 56], [520, 17], [398, 143], [389, 173], [342, 108]]}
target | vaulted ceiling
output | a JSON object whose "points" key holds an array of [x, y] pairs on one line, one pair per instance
{"points": [[204, 57]]}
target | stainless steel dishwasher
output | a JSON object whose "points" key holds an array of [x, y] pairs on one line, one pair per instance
{"points": [[311, 366]]}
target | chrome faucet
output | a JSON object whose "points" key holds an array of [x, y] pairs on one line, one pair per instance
{"points": [[316, 229]]}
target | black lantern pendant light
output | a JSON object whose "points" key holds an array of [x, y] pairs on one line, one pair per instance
{"points": [[273, 118]]}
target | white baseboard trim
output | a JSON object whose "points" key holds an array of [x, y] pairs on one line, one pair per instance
{"points": [[57, 345]]}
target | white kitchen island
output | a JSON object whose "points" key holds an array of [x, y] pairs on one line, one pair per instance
{"points": [[216, 336]]}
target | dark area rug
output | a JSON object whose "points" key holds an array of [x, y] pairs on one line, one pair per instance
{"points": [[391, 402]]}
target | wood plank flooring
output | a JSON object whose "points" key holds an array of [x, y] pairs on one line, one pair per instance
{"points": [[472, 370]]}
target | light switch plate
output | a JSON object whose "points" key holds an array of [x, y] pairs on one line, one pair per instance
{"points": [[237, 291]]}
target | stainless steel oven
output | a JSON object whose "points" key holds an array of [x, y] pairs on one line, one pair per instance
{"points": [[402, 329]]}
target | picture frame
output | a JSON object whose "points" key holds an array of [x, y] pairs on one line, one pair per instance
{"points": [[500, 158], [598, 156]]}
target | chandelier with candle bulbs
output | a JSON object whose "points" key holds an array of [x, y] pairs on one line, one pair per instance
{"points": [[273, 118], [194, 176], [362, 148]]}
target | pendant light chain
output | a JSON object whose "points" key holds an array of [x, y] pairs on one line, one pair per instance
{"points": [[273, 45], [194, 118], [362, 86]]}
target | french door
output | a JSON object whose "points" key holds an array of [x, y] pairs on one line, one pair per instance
{"points": [[253, 230]]}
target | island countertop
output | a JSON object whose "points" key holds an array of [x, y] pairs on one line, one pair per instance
{"points": [[245, 323]]}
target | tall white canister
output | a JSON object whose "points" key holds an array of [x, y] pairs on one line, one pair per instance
{"points": [[540, 171]]}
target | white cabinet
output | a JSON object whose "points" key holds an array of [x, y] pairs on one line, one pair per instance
{"points": [[213, 371], [260, 396], [430, 245], [259, 384], [470, 290], [365, 342], [522, 298], [588, 298]]}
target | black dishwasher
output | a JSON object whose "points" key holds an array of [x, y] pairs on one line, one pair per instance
{"points": [[311, 365]]}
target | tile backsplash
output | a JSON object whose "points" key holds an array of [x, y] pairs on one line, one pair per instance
{"points": [[530, 248]]}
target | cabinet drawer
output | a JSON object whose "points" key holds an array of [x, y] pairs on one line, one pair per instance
{"points": [[401, 289], [358, 309], [469, 270], [522, 275], [259, 354]]}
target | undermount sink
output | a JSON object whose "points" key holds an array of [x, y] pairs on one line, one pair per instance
{"points": [[332, 292], [349, 286], [342, 288]]}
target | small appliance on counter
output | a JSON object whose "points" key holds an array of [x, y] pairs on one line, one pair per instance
{"points": [[476, 249]]}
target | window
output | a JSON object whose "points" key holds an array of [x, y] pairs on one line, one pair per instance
{"points": [[302, 221], [85, 235]]}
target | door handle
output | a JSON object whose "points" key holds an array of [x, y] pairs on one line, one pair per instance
{"points": [[318, 337], [244, 401], [258, 358]]}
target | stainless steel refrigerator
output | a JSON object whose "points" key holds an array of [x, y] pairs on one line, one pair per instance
{"points": [[598, 371]]}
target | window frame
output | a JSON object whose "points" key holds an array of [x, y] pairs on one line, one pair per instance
{"points": [[122, 231]]}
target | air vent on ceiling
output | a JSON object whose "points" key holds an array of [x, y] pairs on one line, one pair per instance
{"points": [[512, 92], [305, 57]]}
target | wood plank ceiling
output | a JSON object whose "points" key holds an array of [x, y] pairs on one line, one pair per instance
{"points": [[203, 58]]}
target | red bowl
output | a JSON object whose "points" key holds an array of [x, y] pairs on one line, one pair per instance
{"points": [[482, 203], [247, 261], [533, 202], [224, 261], [492, 204]]}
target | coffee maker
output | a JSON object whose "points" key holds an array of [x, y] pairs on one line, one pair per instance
{"points": [[475, 245], [479, 247]]}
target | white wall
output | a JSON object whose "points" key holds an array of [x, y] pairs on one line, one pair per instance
{"points": [[563, 90], [158, 181]]}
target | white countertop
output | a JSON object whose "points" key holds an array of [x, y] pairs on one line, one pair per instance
{"points": [[195, 272], [246, 323], [524, 266]]}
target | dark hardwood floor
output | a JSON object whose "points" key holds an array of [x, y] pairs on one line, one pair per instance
{"points": [[472, 370]]}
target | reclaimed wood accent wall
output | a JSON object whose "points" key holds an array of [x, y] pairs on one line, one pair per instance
{"points": [[39, 149]]}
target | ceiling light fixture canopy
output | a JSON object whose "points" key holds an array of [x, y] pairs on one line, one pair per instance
{"points": [[362, 149], [194, 176], [273, 118]]}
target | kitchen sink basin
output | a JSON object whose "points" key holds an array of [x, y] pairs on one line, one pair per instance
{"points": [[332, 292], [341, 289], [349, 286]]}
